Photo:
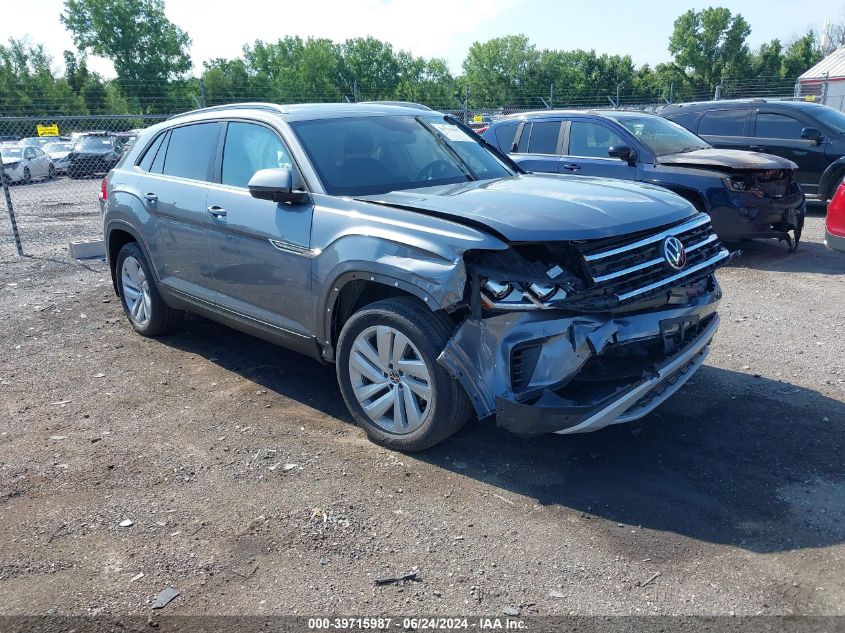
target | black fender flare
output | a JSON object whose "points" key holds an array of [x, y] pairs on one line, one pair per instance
{"points": [[328, 300], [687, 193], [830, 177], [126, 227]]}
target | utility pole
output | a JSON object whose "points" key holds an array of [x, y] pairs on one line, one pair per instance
{"points": [[719, 88], [466, 102], [551, 97], [356, 95], [203, 102], [671, 92], [618, 85]]}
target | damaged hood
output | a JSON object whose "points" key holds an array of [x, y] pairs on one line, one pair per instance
{"points": [[727, 159], [545, 207]]}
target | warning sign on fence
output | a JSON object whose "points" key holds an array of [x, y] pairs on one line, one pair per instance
{"points": [[48, 130]]}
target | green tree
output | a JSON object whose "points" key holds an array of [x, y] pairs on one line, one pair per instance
{"points": [[499, 71], [800, 55], [711, 44], [145, 47]]}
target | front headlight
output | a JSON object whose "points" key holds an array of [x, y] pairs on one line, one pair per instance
{"points": [[514, 295], [735, 183]]}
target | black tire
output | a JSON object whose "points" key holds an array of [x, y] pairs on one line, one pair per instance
{"points": [[51, 172], [429, 332], [162, 319], [27, 176]]}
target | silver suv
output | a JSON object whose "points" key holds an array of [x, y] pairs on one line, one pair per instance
{"points": [[438, 276]]}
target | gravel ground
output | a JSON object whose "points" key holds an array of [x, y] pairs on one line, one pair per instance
{"points": [[250, 491]]}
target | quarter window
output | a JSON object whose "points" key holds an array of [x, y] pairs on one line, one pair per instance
{"points": [[505, 135], [191, 151], [149, 156], [591, 140], [770, 125], [723, 123], [250, 148]]}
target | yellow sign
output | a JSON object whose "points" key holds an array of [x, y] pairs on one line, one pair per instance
{"points": [[48, 130], [809, 97], [477, 119]]}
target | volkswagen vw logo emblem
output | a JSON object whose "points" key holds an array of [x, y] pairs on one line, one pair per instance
{"points": [[674, 253]]}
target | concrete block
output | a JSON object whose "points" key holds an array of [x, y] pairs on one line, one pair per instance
{"points": [[87, 249]]}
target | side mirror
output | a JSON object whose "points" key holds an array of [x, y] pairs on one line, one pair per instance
{"points": [[622, 152], [811, 134], [275, 185]]}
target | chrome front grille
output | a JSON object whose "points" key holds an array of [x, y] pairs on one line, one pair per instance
{"points": [[638, 270]]}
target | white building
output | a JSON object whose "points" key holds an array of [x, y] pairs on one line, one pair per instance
{"points": [[825, 82]]}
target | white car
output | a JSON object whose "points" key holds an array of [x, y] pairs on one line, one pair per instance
{"points": [[24, 164], [59, 153]]}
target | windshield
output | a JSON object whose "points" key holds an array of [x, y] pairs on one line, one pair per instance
{"points": [[661, 135], [830, 117], [360, 156], [57, 147], [93, 143], [11, 152]]}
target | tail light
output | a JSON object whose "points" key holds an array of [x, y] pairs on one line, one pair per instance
{"points": [[104, 194], [835, 220]]}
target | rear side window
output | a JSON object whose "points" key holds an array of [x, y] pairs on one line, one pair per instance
{"points": [[544, 136], [146, 162], [191, 151], [505, 135], [771, 125], [723, 123]]}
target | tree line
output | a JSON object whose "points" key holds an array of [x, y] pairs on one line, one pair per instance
{"points": [[152, 66]]}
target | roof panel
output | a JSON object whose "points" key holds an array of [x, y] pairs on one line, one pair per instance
{"points": [[833, 66]]}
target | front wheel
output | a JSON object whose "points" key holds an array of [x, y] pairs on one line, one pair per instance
{"points": [[51, 173], [27, 176], [139, 295], [390, 379]]}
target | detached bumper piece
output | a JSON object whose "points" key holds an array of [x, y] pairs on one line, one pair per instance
{"points": [[611, 402]]}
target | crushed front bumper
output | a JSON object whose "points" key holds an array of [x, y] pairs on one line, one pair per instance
{"points": [[553, 414], [545, 372], [738, 215]]}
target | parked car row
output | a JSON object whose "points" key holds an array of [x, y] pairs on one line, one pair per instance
{"points": [[82, 155], [747, 194]]}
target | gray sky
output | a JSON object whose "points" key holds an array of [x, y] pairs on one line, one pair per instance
{"points": [[438, 28]]}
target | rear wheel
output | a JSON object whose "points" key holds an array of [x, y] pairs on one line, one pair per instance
{"points": [[390, 379], [139, 295]]}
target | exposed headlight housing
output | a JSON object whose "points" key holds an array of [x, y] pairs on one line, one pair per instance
{"points": [[528, 296], [497, 290]]}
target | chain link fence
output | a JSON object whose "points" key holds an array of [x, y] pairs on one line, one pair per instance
{"points": [[51, 170], [54, 164]]}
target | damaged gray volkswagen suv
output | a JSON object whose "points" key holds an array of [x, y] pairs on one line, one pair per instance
{"points": [[437, 275]]}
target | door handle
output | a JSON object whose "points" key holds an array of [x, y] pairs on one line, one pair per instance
{"points": [[151, 198], [757, 148], [572, 166], [217, 212]]}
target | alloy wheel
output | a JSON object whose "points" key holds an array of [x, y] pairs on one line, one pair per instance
{"points": [[136, 291], [390, 380]]}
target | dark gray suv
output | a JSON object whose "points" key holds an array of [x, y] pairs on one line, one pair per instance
{"points": [[438, 276]]}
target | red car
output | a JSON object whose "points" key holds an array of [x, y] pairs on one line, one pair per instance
{"points": [[834, 225]]}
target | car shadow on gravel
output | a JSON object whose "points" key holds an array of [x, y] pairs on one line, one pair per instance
{"points": [[731, 459], [811, 257]]}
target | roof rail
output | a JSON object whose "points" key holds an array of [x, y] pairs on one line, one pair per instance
{"points": [[258, 105]]}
